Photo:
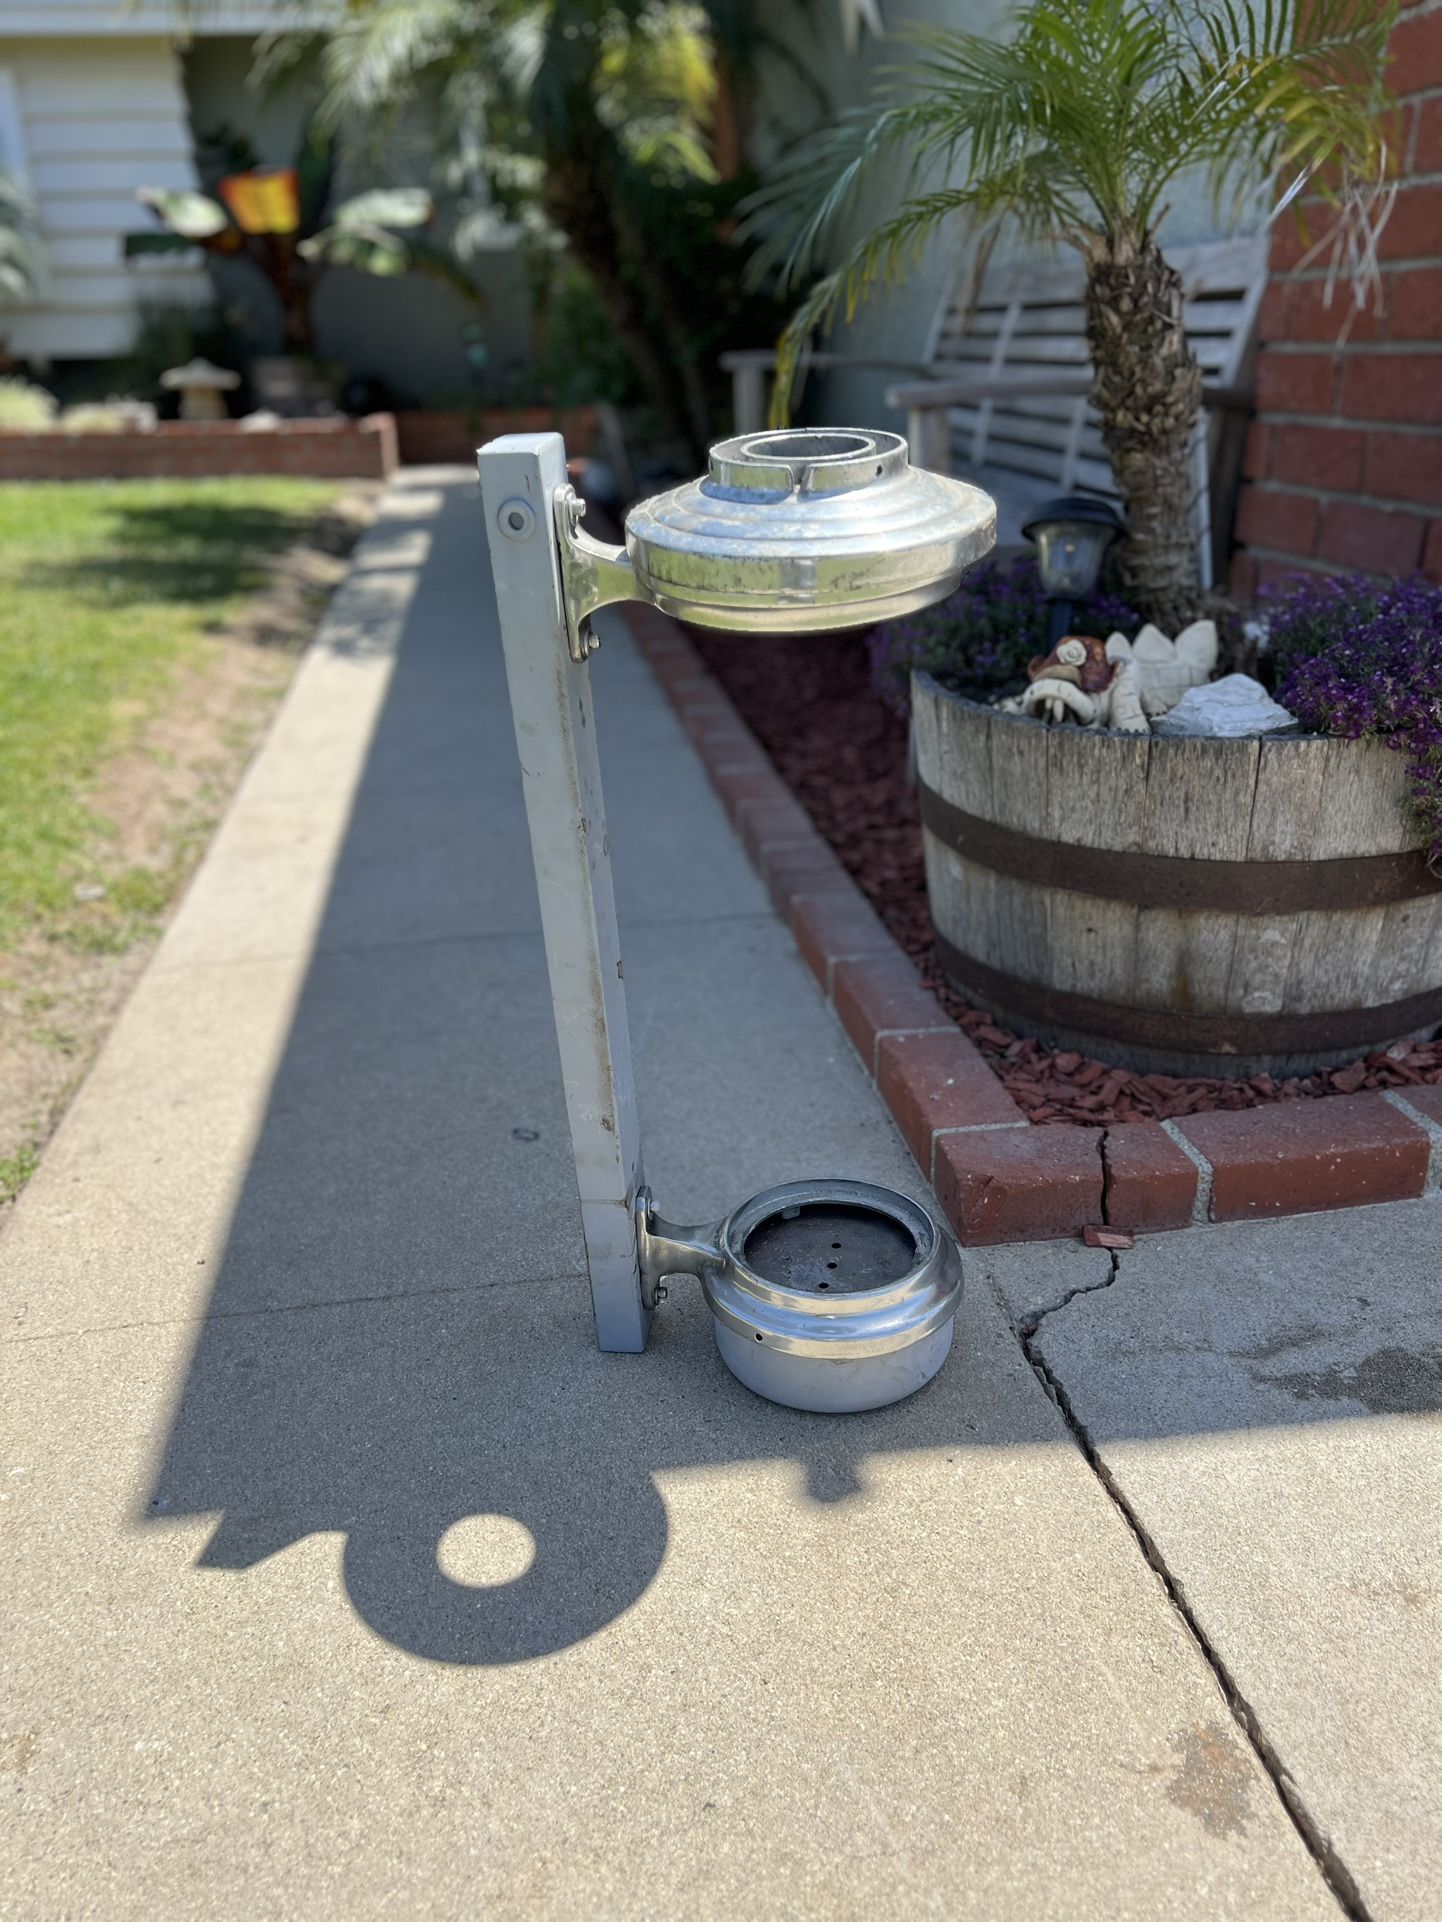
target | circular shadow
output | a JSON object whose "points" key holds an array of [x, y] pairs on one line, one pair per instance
{"points": [[597, 1547]]}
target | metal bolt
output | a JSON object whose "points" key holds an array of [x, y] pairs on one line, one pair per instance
{"points": [[516, 519]]}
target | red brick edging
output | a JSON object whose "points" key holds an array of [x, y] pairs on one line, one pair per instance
{"points": [[998, 1177], [330, 449]]}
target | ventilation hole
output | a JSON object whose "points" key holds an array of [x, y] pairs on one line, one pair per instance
{"points": [[836, 1244], [823, 1284], [758, 1338], [831, 1264]]}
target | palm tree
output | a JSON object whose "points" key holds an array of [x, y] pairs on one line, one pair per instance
{"points": [[1075, 129], [597, 120]]}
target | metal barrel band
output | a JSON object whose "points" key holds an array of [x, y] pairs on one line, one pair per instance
{"points": [[1218, 1034], [1180, 881]]}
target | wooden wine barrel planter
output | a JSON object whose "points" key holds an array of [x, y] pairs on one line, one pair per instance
{"points": [[1183, 906]]}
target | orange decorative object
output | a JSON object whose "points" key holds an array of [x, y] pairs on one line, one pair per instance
{"points": [[266, 201]]}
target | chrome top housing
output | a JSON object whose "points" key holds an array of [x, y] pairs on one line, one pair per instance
{"points": [[807, 530]]}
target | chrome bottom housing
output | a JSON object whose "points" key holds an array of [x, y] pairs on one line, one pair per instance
{"points": [[832, 1296]]}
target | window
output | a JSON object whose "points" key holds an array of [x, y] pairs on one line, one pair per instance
{"points": [[15, 166], [12, 132]]}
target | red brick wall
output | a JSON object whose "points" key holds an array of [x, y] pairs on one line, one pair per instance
{"points": [[440, 434], [1344, 459], [323, 449]]}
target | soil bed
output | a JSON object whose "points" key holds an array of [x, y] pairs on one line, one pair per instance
{"points": [[810, 702]]}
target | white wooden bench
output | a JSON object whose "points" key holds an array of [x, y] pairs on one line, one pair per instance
{"points": [[1002, 393]]}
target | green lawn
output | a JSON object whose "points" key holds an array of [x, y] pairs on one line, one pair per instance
{"points": [[106, 591]]}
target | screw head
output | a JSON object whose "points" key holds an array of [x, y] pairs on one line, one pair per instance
{"points": [[516, 519]]}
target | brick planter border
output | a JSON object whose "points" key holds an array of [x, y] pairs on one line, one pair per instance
{"points": [[433, 436], [332, 449], [998, 1177]]}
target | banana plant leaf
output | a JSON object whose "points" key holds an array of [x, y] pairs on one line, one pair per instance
{"points": [[369, 249], [386, 207], [192, 216], [136, 244], [439, 263]]}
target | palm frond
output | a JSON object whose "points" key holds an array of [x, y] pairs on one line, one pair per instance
{"points": [[793, 225], [1076, 126], [882, 256], [655, 87], [372, 59]]}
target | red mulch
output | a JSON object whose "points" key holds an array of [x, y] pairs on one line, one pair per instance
{"points": [[810, 703]]}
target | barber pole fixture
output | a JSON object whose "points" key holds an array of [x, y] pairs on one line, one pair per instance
{"points": [[828, 1295]]}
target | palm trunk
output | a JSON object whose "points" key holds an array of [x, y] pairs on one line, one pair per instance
{"points": [[1148, 392], [582, 199], [294, 282], [656, 290]]}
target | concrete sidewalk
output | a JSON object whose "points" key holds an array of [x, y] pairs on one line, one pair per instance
{"points": [[344, 1578]]}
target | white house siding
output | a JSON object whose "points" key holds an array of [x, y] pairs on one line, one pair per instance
{"points": [[100, 115], [152, 18]]}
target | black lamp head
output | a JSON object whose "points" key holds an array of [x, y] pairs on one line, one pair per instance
{"points": [[1072, 534]]}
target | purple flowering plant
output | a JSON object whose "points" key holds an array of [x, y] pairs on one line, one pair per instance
{"points": [[1356, 657], [979, 641]]}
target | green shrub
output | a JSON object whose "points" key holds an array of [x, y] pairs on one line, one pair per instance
{"points": [[24, 407]]}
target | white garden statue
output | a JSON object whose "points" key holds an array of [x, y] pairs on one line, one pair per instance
{"points": [[1166, 669]]}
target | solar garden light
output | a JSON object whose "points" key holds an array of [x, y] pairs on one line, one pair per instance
{"points": [[1071, 535], [825, 1294]]}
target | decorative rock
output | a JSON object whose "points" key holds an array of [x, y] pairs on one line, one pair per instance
{"points": [[1234, 706]]}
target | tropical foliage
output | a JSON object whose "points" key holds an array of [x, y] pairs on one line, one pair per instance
{"points": [[617, 126], [24, 407], [285, 222], [1075, 128]]}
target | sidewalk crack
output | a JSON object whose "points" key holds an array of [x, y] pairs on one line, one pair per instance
{"points": [[1330, 1866], [1028, 1328]]}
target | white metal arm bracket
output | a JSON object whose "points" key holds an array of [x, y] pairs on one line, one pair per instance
{"points": [[593, 574]]}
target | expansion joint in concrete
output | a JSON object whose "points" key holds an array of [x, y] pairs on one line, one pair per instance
{"points": [[1202, 1205], [1330, 1866], [1397, 1098]]}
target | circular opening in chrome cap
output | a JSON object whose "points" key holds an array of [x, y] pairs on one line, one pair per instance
{"points": [[807, 460], [815, 443]]}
